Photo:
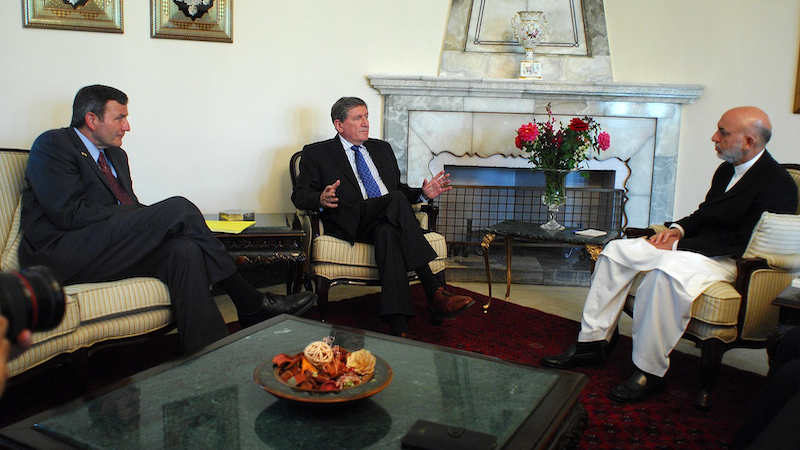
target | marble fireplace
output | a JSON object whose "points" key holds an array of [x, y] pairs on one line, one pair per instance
{"points": [[436, 121], [469, 114]]}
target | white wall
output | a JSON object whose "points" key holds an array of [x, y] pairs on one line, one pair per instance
{"points": [[744, 52], [217, 122]]}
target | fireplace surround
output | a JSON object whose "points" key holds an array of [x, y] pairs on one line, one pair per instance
{"points": [[433, 121], [469, 114]]}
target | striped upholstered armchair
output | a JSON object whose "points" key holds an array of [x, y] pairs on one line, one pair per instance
{"points": [[97, 315], [331, 261], [741, 315]]}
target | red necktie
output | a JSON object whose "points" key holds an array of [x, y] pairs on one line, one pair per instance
{"points": [[121, 195]]}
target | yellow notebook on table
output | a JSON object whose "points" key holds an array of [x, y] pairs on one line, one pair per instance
{"points": [[225, 226]]}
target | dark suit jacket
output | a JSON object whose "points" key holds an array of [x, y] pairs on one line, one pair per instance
{"points": [[723, 223], [323, 163], [66, 202]]}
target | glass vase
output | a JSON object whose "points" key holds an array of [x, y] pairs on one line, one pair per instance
{"points": [[554, 196]]}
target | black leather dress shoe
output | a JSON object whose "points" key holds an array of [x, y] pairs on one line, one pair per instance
{"points": [[639, 387], [274, 305], [581, 354]]}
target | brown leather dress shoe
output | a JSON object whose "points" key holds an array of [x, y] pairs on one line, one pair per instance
{"points": [[446, 305]]}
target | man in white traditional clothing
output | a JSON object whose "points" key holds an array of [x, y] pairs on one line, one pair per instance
{"points": [[683, 260]]}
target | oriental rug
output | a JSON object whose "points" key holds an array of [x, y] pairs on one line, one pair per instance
{"points": [[525, 335], [508, 331]]}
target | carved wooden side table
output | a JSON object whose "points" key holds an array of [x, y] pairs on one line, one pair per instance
{"points": [[275, 238]]}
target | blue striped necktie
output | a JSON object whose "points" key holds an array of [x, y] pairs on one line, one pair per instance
{"points": [[366, 176]]}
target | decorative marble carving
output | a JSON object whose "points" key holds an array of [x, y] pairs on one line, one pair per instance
{"points": [[479, 42], [490, 31]]}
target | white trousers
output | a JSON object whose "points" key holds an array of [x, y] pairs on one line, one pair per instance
{"points": [[663, 303]]}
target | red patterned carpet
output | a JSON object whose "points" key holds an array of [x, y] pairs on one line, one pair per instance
{"points": [[524, 335], [509, 331]]}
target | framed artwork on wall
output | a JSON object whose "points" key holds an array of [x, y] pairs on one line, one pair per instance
{"points": [[199, 20], [78, 15], [797, 90]]}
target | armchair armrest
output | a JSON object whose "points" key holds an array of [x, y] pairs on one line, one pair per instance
{"points": [[744, 270], [784, 262], [309, 221], [432, 212], [759, 284], [638, 232], [632, 232]]}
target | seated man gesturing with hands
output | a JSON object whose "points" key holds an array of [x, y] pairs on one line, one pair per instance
{"points": [[355, 181]]}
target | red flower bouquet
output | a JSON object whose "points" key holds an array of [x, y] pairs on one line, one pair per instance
{"points": [[557, 150], [555, 147]]}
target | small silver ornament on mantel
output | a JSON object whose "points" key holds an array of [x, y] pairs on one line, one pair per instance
{"points": [[529, 31]]}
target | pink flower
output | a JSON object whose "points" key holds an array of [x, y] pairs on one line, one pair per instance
{"points": [[527, 133], [603, 140]]}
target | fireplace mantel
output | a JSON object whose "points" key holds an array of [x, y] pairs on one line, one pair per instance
{"points": [[430, 119], [550, 90]]}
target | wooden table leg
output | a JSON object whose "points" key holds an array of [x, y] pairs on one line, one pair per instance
{"points": [[295, 274], [487, 241], [509, 240]]}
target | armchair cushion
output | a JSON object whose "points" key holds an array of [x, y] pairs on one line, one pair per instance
{"points": [[10, 256], [335, 258], [105, 300], [88, 335], [12, 180], [776, 238], [96, 312], [717, 305]]}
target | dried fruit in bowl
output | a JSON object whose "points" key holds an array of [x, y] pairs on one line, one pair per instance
{"points": [[362, 361], [324, 367]]}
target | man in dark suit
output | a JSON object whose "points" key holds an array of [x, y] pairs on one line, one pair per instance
{"points": [[682, 260], [355, 182], [82, 219]]}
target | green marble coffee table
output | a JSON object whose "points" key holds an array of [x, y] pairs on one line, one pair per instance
{"points": [[210, 400]]}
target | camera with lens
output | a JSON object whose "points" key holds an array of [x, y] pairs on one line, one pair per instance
{"points": [[30, 299]]}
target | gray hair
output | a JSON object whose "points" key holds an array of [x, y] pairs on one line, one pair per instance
{"points": [[342, 107], [93, 99], [764, 133]]}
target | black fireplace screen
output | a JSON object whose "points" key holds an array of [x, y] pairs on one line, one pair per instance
{"points": [[465, 211]]}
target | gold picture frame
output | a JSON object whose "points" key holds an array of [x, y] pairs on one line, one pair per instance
{"points": [[199, 20], [797, 90], [77, 15]]}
